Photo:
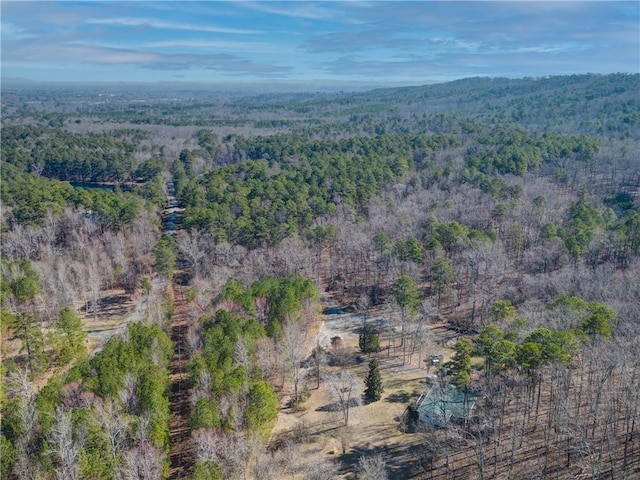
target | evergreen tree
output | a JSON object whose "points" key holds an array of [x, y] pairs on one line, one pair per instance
{"points": [[206, 470], [503, 309], [368, 340], [70, 336], [27, 328], [263, 407], [599, 320], [460, 365], [373, 382], [441, 276], [406, 294], [165, 255]]}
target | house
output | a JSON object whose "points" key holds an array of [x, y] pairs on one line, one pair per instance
{"points": [[442, 404]]}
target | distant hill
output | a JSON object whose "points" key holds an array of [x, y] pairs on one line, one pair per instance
{"points": [[605, 105], [585, 103]]}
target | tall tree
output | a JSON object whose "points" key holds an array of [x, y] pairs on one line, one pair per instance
{"points": [[66, 447], [318, 359], [262, 406], [27, 329], [373, 382], [344, 391], [599, 320], [407, 296], [293, 345], [165, 256], [441, 276], [368, 340], [460, 364], [502, 310], [70, 335]]}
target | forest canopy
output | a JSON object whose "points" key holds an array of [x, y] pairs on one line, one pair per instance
{"points": [[181, 273]]}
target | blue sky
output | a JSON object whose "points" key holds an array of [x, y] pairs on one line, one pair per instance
{"points": [[348, 42]]}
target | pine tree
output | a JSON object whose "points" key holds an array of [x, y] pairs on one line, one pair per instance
{"points": [[368, 340], [460, 365], [69, 336], [374, 389]]}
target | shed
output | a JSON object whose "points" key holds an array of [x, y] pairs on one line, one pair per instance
{"points": [[431, 379]]}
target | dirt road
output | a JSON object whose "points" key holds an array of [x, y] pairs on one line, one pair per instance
{"points": [[181, 453]]}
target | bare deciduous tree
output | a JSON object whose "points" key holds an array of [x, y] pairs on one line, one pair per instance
{"points": [[142, 462], [318, 359], [20, 387], [372, 467], [206, 442], [113, 424], [128, 395], [322, 470], [345, 392], [293, 347], [66, 448], [193, 247], [267, 466]]}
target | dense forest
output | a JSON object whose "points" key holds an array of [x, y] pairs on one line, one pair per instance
{"points": [[172, 256]]}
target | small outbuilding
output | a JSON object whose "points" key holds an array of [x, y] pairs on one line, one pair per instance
{"points": [[431, 379]]}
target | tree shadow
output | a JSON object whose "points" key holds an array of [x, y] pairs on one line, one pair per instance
{"points": [[182, 277], [399, 397], [115, 305], [399, 461], [333, 310], [336, 407], [329, 407], [348, 461]]}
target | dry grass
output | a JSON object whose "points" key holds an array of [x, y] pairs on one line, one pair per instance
{"points": [[373, 428]]}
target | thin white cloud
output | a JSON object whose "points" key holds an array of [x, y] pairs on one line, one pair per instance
{"points": [[219, 44], [549, 48], [161, 24], [456, 43], [103, 55], [305, 10], [66, 52], [13, 32]]}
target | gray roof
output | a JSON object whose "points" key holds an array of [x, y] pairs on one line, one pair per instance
{"points": [[441, 403]]}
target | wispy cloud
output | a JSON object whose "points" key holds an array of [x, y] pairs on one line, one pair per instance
{"points": [[164, 25], [305, 10], [369, 39], [243, 66], [14, 32], [102, 55], [39, 52], [420, 70], [417, 41], [218, 44], [557, 48], [167, 66]]}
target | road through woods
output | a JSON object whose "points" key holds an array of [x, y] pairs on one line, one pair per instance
{"points": [[181, 454]]}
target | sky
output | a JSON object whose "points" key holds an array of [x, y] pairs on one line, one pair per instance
{"points": [[341, 42]]}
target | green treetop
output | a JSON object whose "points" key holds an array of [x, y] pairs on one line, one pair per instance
{"points": [[373, 382]]}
